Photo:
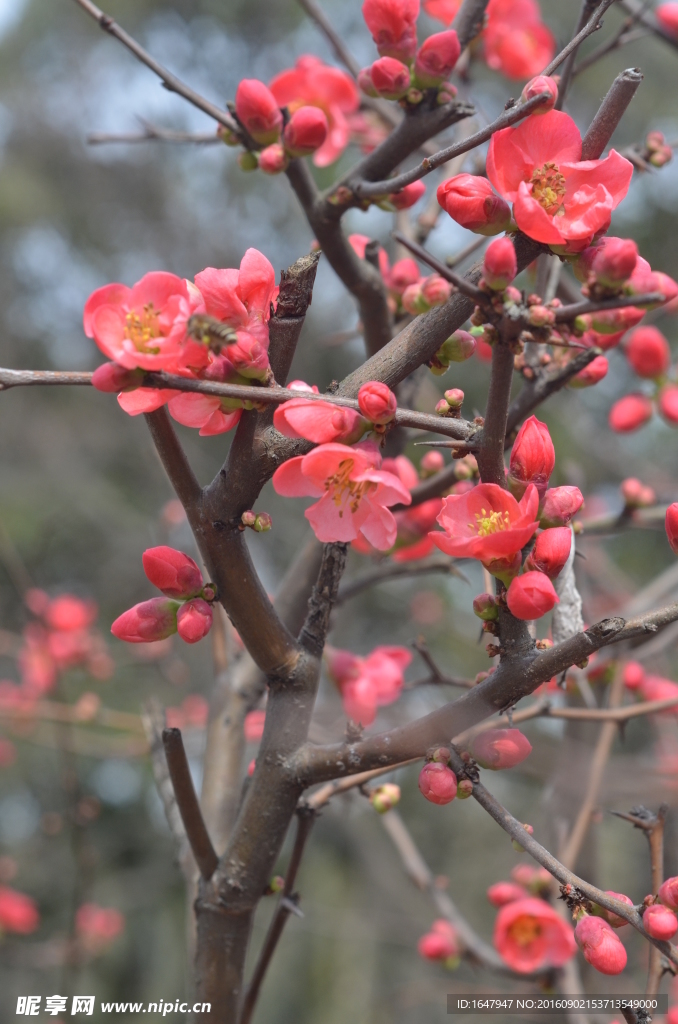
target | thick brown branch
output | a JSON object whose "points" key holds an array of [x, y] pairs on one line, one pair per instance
{"points": [[170, 81], [314, 630], [491, 451], [187, 802], [610, 113], [469, 19], [174, 459]]}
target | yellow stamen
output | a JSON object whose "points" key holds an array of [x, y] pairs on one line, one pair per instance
{"points": [[339, 483], [140, 328], [525, 930], [490, 522], [548, 187]]}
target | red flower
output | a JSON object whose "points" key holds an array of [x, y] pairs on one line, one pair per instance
{"points": [[516, 42], [600, 946], [470, 201], [305, 131], [630, 413], [377, 402], [532, 457], [368, 683], [668, 403], [393, 26], [530, 596], [648, 352], [18, 913], [172, 572], [551, 551], [660, 922], [438, 783], [667, 16], [440, 943], [353, 493], [671, 523], [556, 197], [258, 111], [69, 613], [500, 748], [436, 58], [537, 87], [320, 422], [530, 936], [312, 83], [487, 523]]}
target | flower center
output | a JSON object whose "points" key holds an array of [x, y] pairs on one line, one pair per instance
{"points": [[343, 488], [525, 930], [140, 328], [490, 522], [548, 187]]}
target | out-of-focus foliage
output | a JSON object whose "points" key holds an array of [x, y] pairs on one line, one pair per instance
{"points": [[82, 494]]}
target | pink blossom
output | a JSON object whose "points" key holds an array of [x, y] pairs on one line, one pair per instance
{"points": [[354, 494], [368, 683], [438, 783], [530, 936], [18, 912], [320, 422]]}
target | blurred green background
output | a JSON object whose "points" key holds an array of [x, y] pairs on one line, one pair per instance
{"points": [[82, 495]]}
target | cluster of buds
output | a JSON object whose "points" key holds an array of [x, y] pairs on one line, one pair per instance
{"points": [[437, 781], [259, 114], [260, 522], [186, 607], [657, 151], [440, 944], [425, 294], [450, 404], [636, 494], [649, 356], [404, 70]]}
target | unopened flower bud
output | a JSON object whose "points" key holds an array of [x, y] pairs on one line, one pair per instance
{"points": [[436, 290], [111, 378], [277, 884], [441, 943], [560, 504], [390, 78], [464, 789], [530, 596], [407, 196], [440, 754], [436, 58], [500, 265], [648, 352], [392, 24], [667, 16], [262, 522], [630, 413], [248, 161], [611, 321], [437, 783], [147, 622], [668, 403], [541, 316], [194, 620], [614, 261], [671, 523], [486, 608], [413, 300], [551, 551], [591, 374], [459, 347], [471, 202], [500, 748], [608, 915], [668, 893], [273, 159], [454, 398], [305, 131], [502, 893], [660, 922], [258, 111], [172, 572], [248, 519], [385, 797], [228, 137], [377, 402], [599, 944], [538, 85], [533, 458], [636, 494], [516, 845], [431, 463]]}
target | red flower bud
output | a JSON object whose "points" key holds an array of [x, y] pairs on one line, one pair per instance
{"points": [[500, 748], [432, 463], [436, 58], [559, 505], [258, 111], [591, 374], [671, 523], [485, 607], [532, 458], [403, 273], [611, 321], [614, 261], [608, 915], [413, 301], [384, 798], [551, 551], [636, 494], [502, 893], [660, 922], [668, 893], [633, 675], [648, 352], [531, 595], [438, 783], [471, 201], [377, 402], [390, 78], [667, 16], [305, 131], [172, 571], [600, 946], [148, 621], [393, 26], [630, 413], [440, 943], [645, 281], [500, 265], [112, 378], [538, 85], [407, 196], [18, 912], [668, 403], [459, 347], [435, 290], [454, 398], [273, 159], [194, 620], [541, 316]]}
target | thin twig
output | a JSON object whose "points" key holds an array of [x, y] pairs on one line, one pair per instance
{"points": [[593, 24], [187, 802], [394, 571], [564, 313], [170, 81], [460, 283]]}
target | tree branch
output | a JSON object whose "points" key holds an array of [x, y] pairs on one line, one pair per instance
{"points": [[170, 81], [593, 24], [469, 19], [174, 459], [314, 630], [187, 802], [491, 451], [546, 383], [610, 113], [460, 283], [394, 571], [587, 8]]}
